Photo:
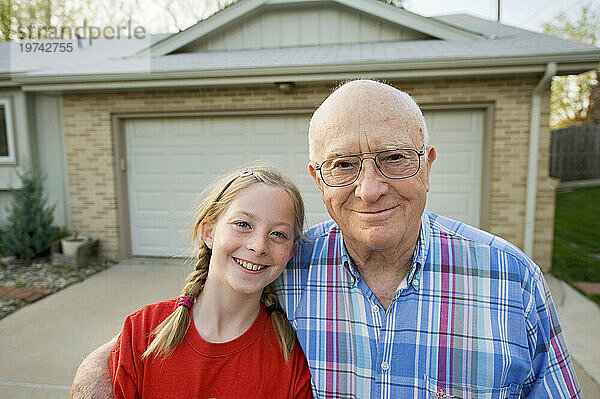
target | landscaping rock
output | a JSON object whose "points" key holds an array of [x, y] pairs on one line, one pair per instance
{"points": [[22, 283]]}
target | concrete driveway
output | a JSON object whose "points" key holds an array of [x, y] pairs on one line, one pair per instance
{"points": [[42, 345]]}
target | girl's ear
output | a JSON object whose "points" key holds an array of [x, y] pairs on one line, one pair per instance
{"points": [[206, 233]]}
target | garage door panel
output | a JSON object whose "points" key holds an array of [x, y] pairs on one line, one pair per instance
{"points": [[444, 183], [147, 201], [188, 164], [455, 126], [188, 128], [231, 126], [184, 200], [144, 129], [456, 174], [153, 235], [148, 164], [460, 202], [459, 162]]}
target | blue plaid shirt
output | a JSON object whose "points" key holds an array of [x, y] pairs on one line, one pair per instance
{"points": [[473, 319]]}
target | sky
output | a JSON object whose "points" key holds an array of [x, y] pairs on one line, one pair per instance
{"points": [[527, 14]]}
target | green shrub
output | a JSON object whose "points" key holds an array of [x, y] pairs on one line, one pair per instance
{"points": [[28, 230]]}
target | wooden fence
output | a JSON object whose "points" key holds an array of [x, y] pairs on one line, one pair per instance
{"points": [[575, 153]]}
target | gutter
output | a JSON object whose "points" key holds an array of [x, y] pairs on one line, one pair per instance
{"points": [[361, 68], [532, 170], [182, 81]]}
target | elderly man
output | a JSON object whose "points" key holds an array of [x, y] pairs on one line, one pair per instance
{"points": [[392, 301]]}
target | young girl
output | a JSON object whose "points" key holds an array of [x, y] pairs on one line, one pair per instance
{"points": [[226, 336]]}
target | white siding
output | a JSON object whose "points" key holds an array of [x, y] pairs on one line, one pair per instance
{"points": [[304, 27], [39, 135], [51, 156]]}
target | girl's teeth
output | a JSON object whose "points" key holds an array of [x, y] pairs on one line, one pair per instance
{"points": [[249, 266]]}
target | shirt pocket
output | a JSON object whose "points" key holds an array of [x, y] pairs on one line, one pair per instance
{"points": [[444, 390]]}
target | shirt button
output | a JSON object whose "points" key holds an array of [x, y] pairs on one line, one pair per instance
{"points": [[415, 283], [385, 366], [375, 309]]}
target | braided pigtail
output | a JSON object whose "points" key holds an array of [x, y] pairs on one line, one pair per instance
{"points": [[283, 330], [168, 334]]}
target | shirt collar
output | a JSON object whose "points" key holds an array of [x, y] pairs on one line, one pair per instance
{"points": [[421, 248], [419, 256], [346, 259]]}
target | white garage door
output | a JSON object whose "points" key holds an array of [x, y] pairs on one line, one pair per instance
{"points": [[456, 184], [171, 160]]}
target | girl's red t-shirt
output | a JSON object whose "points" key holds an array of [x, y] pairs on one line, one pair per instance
{"points": [[250, 366]]}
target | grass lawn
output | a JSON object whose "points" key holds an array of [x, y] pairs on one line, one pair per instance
{"points": [[576, 252]]}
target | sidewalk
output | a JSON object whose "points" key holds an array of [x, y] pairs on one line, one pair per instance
{"points": [[43, 344]]}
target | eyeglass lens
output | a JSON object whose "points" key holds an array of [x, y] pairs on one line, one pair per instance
{"points": [[393, 164]]}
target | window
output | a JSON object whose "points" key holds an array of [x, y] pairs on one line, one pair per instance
{"points": [[7, 146]]}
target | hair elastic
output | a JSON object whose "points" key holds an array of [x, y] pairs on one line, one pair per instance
{"points": [[185, 300]]}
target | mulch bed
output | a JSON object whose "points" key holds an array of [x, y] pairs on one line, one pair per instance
{"points": [[23, 282]]}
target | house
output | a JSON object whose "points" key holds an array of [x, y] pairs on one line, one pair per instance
{"points": [[130, 130]]}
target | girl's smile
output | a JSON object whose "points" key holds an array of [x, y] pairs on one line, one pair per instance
{"points": [[249, 265]]}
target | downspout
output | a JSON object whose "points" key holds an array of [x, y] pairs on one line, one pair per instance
{"points": [[532, 171]]}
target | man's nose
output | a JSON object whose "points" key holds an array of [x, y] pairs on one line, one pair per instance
{"points": [[257, 243], [371, 184]]}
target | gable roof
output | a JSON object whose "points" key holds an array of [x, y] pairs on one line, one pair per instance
{"points": [[245, 8]]}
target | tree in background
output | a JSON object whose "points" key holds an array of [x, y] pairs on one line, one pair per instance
{"points": [[575, 99], [28, 230], [38, 13], [33, 18], [5, 20]]}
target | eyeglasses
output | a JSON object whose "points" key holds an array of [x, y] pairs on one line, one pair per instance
{"points": [[400, 163]]}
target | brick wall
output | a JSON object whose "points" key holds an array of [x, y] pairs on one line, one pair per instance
{"points": [[90, 147]]}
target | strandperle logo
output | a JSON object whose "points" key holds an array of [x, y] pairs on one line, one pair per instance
{"points": [[84, 31]]}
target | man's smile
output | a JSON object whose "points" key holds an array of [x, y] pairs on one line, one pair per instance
{"points": [[376, 213]]}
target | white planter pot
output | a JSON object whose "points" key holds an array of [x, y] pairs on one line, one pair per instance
{"points": [[70, 246]]}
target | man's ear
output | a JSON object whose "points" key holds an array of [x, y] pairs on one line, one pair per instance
{"points": [[315, 176], [431, 155], [206, 233]]}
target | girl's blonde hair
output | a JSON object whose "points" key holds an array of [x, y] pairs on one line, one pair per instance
{"points": [[171, 331]]}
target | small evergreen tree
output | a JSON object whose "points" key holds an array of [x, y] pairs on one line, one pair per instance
{"points": [[28, 229]]}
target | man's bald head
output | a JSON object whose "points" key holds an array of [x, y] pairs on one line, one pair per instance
{"points": [[340, 111]]}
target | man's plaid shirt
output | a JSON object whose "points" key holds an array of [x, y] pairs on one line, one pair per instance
{"points": [[473, 319]]}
